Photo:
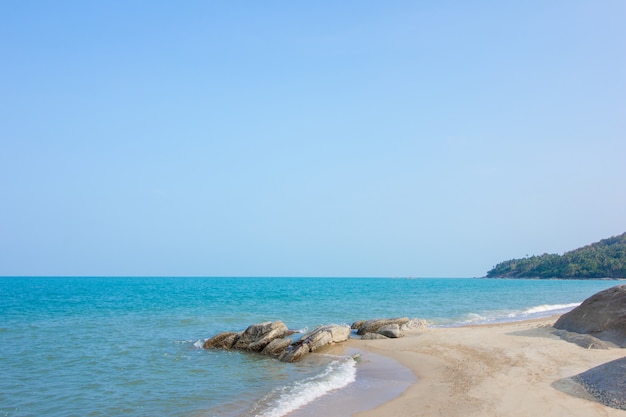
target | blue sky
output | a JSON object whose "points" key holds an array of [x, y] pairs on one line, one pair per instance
{"points": [[429, 139]]}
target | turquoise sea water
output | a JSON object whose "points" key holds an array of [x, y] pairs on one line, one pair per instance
{"points": [[130, 346]]}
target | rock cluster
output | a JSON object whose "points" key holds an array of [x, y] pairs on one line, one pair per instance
{"points": [[603, 316], [386, 328], [271, 338]]}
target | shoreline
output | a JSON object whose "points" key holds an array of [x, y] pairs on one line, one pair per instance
{"points": [[506, 369], [509, 369]]}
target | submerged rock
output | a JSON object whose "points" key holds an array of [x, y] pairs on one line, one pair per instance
{"points": [[603, 316]]}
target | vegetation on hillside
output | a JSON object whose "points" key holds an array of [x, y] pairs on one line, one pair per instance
{"points": [[603, 259]]}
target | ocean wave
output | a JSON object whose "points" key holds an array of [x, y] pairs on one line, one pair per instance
{"points": [[549, 308], [501, 316], [283, 400]]}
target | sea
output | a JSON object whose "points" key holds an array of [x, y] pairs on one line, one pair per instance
{"points": [[132, 346]]}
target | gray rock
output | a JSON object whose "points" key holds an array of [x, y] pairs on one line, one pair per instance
{"points": [[277, 347], [603, 315], [294, 353], [257, 336], [315, 340], [373, 326], [607, 383], [224, 340], [391, 330], [357, 324]]}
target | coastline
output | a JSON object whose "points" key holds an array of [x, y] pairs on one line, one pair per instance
{"points": [[505, 369]]}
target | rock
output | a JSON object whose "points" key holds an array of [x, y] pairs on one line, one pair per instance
{"points": [[276, 347], [224, 340], [357, 324], [257, 336], [373, 336], [391, 330], [583, 340], [294, 353], [607, 383], [373, 326], [315, 340], [602, 315]]}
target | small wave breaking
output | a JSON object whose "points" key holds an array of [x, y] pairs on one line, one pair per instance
{"points": [[549, 309], [283, 400], [501, 316]]}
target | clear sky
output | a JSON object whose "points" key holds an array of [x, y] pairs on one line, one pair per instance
{"points": [[321, 138]]}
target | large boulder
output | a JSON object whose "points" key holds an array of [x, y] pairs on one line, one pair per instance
{"points": [[315, 340], [607, 383], [603, 315]]}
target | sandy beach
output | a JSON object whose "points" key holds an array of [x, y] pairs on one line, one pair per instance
{"points": [[508, 369]]}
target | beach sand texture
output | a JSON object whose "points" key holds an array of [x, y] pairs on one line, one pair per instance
{"points": [[509, 369]]}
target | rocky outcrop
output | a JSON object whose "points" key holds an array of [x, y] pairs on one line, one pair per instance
{"points": [[607, 383], [256, 338], [270, 338], [603, 316], [315, 340], [389, 328]]}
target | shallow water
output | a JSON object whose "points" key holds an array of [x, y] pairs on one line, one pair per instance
{"points": [[129, 346]]}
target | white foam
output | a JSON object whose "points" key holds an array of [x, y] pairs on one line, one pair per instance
{"points": [[500, 316], [280, 402], [549, 308]]}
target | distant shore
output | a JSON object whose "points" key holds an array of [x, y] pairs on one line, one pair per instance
{"points": [[516, 369]]}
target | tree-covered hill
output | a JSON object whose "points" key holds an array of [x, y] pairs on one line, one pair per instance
{"points": [[603, 259]]}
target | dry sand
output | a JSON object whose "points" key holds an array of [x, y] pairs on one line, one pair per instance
{"points": [[509, 369]]}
